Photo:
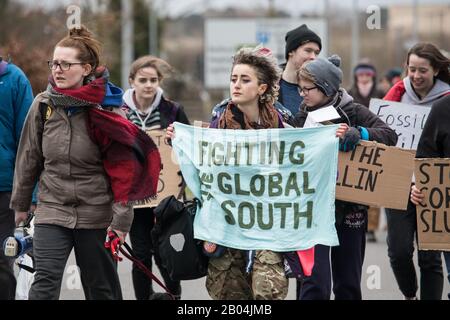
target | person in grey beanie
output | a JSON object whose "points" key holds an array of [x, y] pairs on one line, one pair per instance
{"points": [[302, 44], [320, 86]]}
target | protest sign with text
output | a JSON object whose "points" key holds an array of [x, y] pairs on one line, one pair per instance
{"points": [[406, 119], [261, 189], [433, 215], [376, 175], [169, 178]]}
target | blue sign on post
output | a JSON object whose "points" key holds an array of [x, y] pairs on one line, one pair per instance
{"points": [[262, 37]]}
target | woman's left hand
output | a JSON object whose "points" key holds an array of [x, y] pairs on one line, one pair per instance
{"points": [[340, 132]]}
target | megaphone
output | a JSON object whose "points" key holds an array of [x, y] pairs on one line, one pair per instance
{"points": [[17, 245], [21, 243]]}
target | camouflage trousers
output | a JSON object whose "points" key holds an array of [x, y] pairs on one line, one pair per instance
{"points": [[227, 279]]}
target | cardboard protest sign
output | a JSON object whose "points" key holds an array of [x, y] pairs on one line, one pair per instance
{"points": [[375, 174], [433, 216], [169, 179], [261, 189], [406, 119]]}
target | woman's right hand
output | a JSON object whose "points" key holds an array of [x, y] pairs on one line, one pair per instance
{"points": [[20, 216], [416, 195], [170, 133]]}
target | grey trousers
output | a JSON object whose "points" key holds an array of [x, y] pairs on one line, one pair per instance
{"points": [[52, 245], [7, 279]]}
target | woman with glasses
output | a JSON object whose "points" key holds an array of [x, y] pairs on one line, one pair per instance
{"points": [[319, 84], [78, 146]]}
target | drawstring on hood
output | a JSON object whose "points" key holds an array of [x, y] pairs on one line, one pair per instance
{"points": [[128, 99]]}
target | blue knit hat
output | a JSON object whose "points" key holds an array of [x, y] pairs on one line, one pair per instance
{"points": [[327, 73]]}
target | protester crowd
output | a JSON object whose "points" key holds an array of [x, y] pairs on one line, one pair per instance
{"points": [[79, 157]]}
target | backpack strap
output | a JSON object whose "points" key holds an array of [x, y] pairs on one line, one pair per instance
{"points": [[45, 111], [182, 193], [26, 268]]}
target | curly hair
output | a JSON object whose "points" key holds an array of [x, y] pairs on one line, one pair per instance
{"points": [[266, 67]]}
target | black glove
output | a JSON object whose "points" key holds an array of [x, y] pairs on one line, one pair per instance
{"points": [[350, 140]]}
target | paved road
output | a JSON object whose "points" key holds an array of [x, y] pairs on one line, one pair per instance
{"points": [[378, 281]]}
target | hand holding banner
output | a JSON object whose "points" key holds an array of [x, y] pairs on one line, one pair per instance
{"points": [[268, 189]]}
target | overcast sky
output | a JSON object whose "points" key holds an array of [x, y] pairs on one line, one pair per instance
{"points": [[175, 8]]}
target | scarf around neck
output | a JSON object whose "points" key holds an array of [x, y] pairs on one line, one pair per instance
{"points": [[130, 157], [234, 118]]}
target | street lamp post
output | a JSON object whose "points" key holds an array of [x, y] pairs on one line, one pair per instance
{"points": [[127, 48]]}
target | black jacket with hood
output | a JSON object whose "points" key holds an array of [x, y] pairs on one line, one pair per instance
{"points": [[355, 115]]}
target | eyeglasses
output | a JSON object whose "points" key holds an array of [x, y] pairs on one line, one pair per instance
{"points": [[63, 65], [305, 90]]}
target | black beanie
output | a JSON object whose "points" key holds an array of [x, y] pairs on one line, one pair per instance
{"points": [[299, 36]]}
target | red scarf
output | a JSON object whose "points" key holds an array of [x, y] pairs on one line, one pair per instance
{"points": [[130, 157], [396, 92]]}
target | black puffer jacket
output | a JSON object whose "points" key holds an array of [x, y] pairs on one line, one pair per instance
{"points": [[354, 114], [435, 139]]}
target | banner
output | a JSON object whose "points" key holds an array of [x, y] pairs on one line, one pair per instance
{"points": [[261, 189], [406, 119], [376, 175], [433, 217], [169, 179]]}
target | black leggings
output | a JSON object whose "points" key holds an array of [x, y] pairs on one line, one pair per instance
{"points": [[141, 241], [344, 266], [402, 227]]}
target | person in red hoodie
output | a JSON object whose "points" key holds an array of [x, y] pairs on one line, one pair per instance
{"points": [[427, 80]]}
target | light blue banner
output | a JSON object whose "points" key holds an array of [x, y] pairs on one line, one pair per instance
{"points": [[261, 189]]}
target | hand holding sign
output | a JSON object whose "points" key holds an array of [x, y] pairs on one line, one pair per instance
{"points": [[340, 132], [416, 195], [349, 140], [170, 132], [433, 184]]}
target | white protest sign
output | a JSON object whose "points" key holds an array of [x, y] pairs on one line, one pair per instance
{"points": [[321, 116], [406, 119]]}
